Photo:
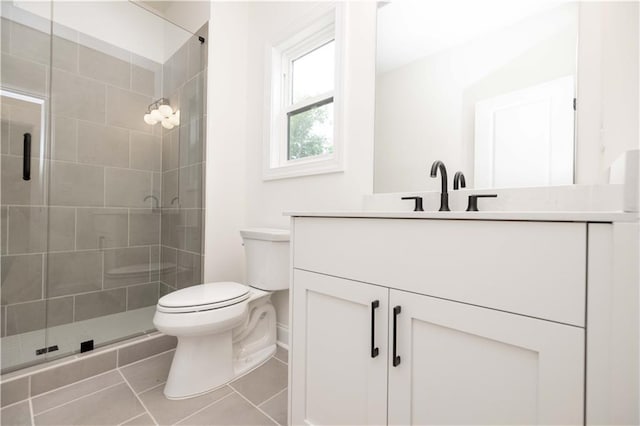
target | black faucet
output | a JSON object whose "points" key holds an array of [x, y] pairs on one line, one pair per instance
{"points": [[459, 181], [473, 201], [444, 195], [417, 207]]}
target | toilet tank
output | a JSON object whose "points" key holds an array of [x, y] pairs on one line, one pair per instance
{"points": [[266, 258]]}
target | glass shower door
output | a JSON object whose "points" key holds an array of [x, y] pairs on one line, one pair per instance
{"points": [[24, 237], [110, 215], [107, 166], [184, 168]]}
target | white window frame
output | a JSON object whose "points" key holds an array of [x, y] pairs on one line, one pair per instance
{"points": [[280, 57]]}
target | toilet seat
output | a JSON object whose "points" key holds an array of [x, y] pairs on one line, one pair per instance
{"points": [[204, 297]]}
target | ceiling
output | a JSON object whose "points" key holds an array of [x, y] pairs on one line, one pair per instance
{"points": [[188, 14]]}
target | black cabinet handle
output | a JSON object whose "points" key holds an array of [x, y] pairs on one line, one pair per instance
{"points": [[374, 350], [26, 159], [396, 357]]}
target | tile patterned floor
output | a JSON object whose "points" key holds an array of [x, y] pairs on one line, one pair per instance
{"points": [[132, 395]]}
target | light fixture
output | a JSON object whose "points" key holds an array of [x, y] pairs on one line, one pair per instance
{"points": [[175, 118], [165, 110], [167, 124], [161, 112], [156, 115], [149, 119]]}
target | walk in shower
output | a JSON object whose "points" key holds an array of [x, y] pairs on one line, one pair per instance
{"points": [[102, 211]]}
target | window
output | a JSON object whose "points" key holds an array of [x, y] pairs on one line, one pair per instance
{"points": [[304, 102], [310, 104]]}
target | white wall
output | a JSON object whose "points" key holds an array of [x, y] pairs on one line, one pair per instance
{"points": [[270, 23], [225, 200], [188, 14], [608, 89], [620, 80], [247, 200]]}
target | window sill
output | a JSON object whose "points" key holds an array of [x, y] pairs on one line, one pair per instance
{"points": [[303, 169]]}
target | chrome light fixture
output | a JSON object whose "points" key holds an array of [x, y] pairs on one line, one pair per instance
{"points": [[161, 112]]}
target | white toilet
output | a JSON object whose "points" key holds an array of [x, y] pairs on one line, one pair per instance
{"points": [[225, 329]]}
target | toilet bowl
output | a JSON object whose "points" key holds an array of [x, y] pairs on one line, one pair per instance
{"points": [[225, 329]]}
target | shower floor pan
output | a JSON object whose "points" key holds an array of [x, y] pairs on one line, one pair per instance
{"points": [[19, 351]]}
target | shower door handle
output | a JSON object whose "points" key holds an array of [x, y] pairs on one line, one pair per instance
{"points": [[26, 159], [374, 349]]}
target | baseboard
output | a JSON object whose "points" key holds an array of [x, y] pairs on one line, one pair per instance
{"points": [[282, 336]]}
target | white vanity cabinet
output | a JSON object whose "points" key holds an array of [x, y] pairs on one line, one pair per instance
{"points": [[490, 327], [457, 363], [463, 364], [335, 379]]}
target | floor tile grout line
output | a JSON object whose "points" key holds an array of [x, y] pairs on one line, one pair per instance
{"points": [[138, 398], [33, 417], [78, 398], [205, 407], [145, 359], [280, 361], [272, 397], [151, 388], [72, 384], [134, 417], [15, 403], [255, 406]]}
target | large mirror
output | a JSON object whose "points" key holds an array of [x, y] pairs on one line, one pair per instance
{"points": [[488, 87]]}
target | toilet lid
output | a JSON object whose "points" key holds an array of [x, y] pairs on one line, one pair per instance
{"points": [[205, 296]]}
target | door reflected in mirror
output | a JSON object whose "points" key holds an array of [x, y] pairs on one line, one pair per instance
{"points": [[487, 87]]}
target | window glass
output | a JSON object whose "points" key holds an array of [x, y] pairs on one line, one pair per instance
{"points": [[313, 73], [311, 131]]}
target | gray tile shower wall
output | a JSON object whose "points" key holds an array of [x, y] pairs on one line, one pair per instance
{"points": [[82, 237]]}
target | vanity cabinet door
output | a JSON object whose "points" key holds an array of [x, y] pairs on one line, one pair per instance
{"points": [[334, 377], [462, 364]]}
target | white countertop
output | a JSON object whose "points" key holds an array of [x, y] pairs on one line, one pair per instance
{"points": [[548, 216]]}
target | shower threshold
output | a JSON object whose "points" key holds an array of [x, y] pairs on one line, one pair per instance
{"points": [[19, 351]]}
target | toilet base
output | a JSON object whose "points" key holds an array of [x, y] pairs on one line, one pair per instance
{"points": [[246, 365], [189, 378], [200, 364]]}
